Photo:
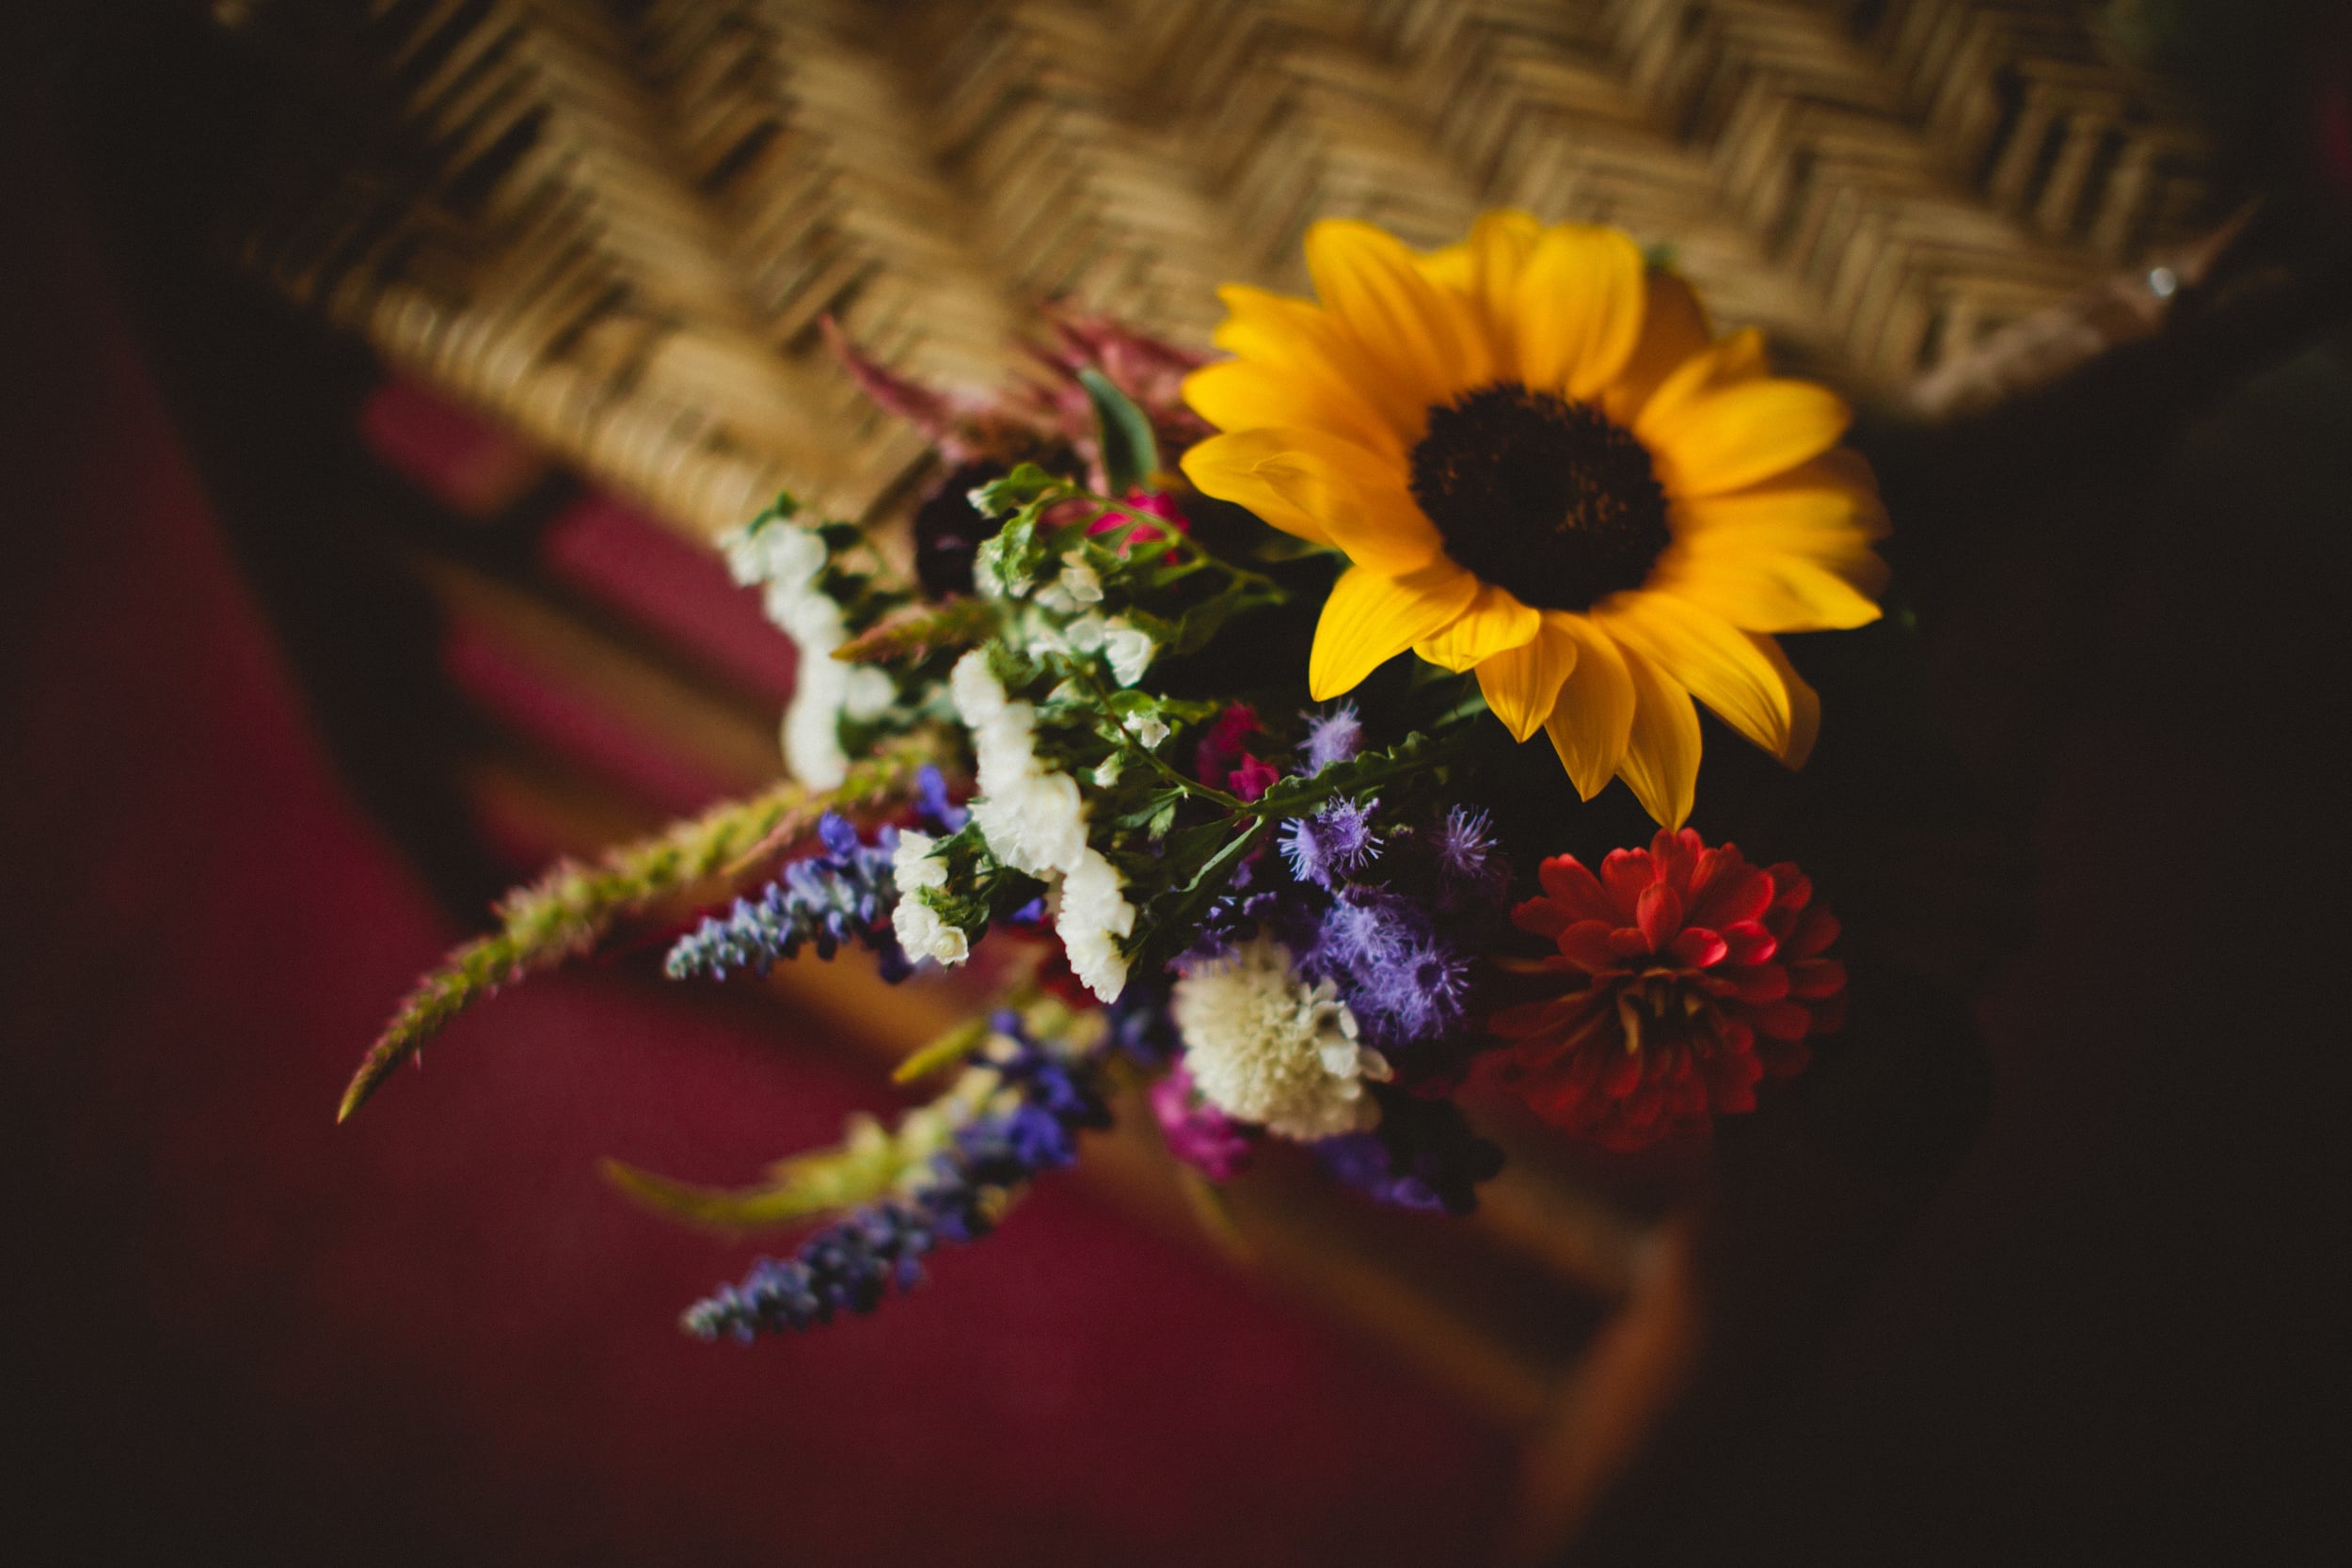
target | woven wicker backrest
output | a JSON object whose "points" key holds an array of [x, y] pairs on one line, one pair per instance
{"points": [[615, 223]]}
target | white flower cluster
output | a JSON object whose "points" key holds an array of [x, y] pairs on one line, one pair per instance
{"points": [[1034, 820], [921, 932], [788, 562], [1263, 1046], [1068, 627]]}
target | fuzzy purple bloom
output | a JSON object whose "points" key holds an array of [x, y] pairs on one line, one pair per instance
{"points": [[1406, 983], [1335, 735], [1417, 995], [1334, 843], [1465, 848]]}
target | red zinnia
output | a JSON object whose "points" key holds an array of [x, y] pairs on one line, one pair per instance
{"points": [[1693, 974]]}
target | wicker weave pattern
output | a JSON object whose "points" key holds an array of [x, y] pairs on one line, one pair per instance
{"points": [[616, 222]]}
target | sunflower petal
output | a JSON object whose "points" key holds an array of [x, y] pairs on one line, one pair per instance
{"points": [[1591, 720], [1322, 487], [1759, 588], [1839, 477], [1522, 685], [1370, 619], [1500, 245], [1226, 467], [1674, 332], [1577, 309], [1662, 754], [1367, 281], [1705, 655], [1496, 622], [1361, 499], [1739, 434], [1805, 704], [1234, 394], [1298, 338], [1727, 362]]}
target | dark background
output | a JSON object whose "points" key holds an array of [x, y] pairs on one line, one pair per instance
{"points": [[2114, 1334]]}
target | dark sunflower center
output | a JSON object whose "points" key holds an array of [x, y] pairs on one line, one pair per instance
{"points": [[1540, 494]]}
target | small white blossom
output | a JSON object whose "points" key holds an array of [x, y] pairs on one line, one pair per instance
{"points": [[1093, 914], [1265, 1047], [1038, 825], [1129, 649], [979, 695], [920, 929], [1148, 728], [1106, 771], [1078, 579], [788, 562]]}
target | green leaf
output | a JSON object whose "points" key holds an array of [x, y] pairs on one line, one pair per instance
{"points": [[946, 1051], [1130, 452], [1017, 490], [1176, 919], [866, 1163]]}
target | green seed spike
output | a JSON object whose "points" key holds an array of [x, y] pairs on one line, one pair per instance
{"points": [[566, 913]]}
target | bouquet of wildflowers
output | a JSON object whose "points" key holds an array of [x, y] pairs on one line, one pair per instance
{"points": [[1206, 719]]}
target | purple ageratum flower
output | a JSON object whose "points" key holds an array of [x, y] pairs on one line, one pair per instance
{"points": [[1464, 844], [1421, 1156], [1198, 1133], [1367, 926], [1421, 994], [1334, 843], [1335, 735], [1406, 983]]}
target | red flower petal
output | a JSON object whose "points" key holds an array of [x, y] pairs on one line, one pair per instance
{"points": [[1566, 881], [1586, 944], [1750, 942], [1697, 948], [1783, 1020], [1660, 913], [1756, 983], [1817, 931], [1736, 895], [1534, 1018], [1625, 874], [1623, 1075], [1795, 887], [1817, 978], [1541, 916]]}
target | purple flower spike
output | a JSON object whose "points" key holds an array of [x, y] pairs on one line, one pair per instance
{"points": [[939, 814], [1334, 734], [1332, 845]]}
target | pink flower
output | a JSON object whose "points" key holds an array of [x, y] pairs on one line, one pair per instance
{"points": [[1198, 1133]]}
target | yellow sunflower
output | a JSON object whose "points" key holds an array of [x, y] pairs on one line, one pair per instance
{"points": [[1543, 466]]}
